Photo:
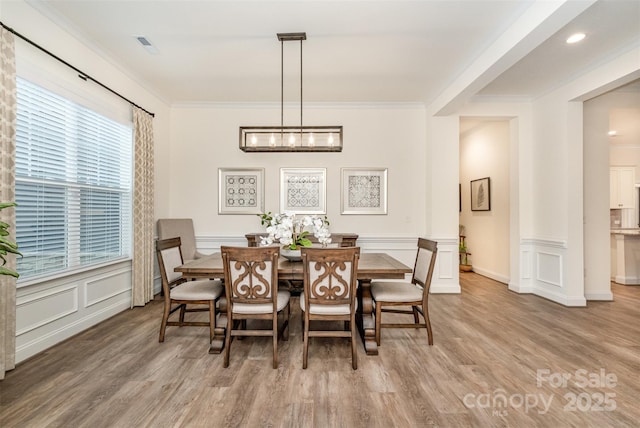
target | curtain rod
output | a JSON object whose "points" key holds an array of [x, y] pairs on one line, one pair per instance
{"points": [[84, 76]]}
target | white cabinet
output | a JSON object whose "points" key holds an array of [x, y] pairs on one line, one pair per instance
{"points": [[621, 187]]}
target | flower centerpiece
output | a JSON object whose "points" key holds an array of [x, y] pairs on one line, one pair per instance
{"points": [[292, 232]]}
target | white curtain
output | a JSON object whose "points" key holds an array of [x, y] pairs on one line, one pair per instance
{"points": [[143, 251], [7, 194]]}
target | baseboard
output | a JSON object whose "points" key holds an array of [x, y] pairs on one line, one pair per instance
{"points": [[492, 275], [577, 301], [604, 297], [445, 288], [627, 280]]}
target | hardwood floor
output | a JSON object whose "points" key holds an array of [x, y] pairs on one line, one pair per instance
{"points": [[498, 359]]}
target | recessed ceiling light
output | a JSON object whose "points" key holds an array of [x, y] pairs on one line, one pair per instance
{"points": [[612, 133], [575, 38]]}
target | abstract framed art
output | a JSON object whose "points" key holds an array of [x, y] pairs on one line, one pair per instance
{"points": [[364, 191], [303, 190], [241, 190], [481, 194]]}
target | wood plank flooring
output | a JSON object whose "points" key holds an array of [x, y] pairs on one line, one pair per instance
{"points": [[498, 359]]}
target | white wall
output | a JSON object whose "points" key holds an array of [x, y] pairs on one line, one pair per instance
{"points": [[560, 215], [484, 152], [596, 200], [54, 310], [204, 138]]}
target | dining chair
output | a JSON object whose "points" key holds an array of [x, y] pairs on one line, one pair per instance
{"points": [[178, 292], [182, 228], [329, 293], [387, 294], [251, 292]]}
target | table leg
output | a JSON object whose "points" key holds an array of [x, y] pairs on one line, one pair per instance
{"points": [[365, 317], [217, 344]]}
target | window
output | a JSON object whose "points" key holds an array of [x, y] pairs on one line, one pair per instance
{"points": [[73, 184]]}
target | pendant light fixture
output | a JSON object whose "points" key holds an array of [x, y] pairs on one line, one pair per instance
{"points": [[290, 138]]}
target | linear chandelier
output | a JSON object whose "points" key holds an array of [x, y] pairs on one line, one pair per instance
{"points": [[290, 138]]}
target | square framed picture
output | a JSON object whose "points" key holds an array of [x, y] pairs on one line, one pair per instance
{"points": [[364, 191], [303, 190], [481, 194], [241, 190]]}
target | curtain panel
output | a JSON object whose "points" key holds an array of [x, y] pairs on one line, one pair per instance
{"points": [[7, 194], [143, 251]]}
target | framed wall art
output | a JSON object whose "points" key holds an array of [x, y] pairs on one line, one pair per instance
{"points": [[241, 190], [364, 191], [481, 194], [303, 190]]}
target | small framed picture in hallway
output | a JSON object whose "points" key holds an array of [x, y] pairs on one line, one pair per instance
{"points": [[481, 194]]}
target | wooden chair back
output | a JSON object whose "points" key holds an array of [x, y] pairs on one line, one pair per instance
{"points": [[425, 263], [251, 274], [330, 275], [169, 252]]}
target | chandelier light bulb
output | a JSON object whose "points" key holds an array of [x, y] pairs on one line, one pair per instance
{"points": [[292, 140], [311, 140], [272, 141], [330, 140], [254, 140]]}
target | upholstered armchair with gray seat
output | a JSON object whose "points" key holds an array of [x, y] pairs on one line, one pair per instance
{"points": [[180, 294], [389, 295], [182, 228]]}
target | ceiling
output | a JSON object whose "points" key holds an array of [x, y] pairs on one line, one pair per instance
{"points": [[356, 51]]}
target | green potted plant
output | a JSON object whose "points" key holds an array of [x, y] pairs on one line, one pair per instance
{"points": [[465, 265], [7, 246]]}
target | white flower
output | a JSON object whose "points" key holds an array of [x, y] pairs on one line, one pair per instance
{"points": [[289, 231]]}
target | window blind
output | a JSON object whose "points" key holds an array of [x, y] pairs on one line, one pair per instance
{"points": [[73, 184]]}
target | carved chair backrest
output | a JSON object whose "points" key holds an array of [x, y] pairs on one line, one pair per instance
{"points": [[251, 274], [330, 275]]}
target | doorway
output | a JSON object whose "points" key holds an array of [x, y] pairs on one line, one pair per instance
{"points": [[485, 166]]}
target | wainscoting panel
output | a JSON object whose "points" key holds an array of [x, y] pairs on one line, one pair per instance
{"points": [[51, 311], [446, 278], [38, 309], [106, 287], [546, 275], [549, 268]]}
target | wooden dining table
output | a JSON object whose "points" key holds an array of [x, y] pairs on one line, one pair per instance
{"points": [[370, 266]]}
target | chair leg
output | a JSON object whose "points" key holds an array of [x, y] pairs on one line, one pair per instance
{"points": [[354, 352], [305, 352], [285, 333], [165, 318], [212, 319], [227, 341], [378, 321], [425, 309], [275, 340], [416, 319], [183, 309]]}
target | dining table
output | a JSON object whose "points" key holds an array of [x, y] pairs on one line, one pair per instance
{"points": [[370, 266]]}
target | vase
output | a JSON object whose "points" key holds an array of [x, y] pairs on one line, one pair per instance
{"points": [[291, 255]]}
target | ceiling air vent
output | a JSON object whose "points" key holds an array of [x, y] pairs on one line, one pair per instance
{"points": [[146, 44]]}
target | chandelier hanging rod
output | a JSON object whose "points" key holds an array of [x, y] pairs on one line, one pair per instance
{"points": [[289, 37], [300, 138]]}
